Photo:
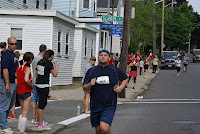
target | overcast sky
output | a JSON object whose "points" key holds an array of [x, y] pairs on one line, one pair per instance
{"points": [[195, 4]]}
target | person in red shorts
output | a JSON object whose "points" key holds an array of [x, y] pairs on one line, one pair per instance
{"points": [[24, 89], [111, 61]]}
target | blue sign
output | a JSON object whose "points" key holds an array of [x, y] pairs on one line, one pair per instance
{"points": [[111, 26], [116, 32]]}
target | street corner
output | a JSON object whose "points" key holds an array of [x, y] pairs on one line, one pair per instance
{"points": [[30, 127]]}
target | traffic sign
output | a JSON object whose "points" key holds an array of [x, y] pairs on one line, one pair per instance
{"points": [[111, 26], [112, 18], [116, 32]]}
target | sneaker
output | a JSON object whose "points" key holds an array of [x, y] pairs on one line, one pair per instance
{"points": [[145, 77], [12, 116], [133, 87], [45, 123], [8, 131], [33, 120], [37, 123], [42, 126]]}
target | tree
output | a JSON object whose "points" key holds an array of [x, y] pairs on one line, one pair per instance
{"points": [[141, 25], [179, 22]]}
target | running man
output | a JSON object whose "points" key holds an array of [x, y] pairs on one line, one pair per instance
{"points": [[101, 81]]}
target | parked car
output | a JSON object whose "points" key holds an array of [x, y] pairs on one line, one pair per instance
{"points": [[196, 55], [168, 59]]}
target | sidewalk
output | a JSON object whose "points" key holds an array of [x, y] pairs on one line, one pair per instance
{"points": [[76, 94]]}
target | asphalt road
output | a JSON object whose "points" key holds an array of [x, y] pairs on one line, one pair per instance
{"points": [[170, 106]]}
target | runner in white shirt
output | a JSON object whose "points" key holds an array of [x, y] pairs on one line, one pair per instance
{"points": [[178, 66]]}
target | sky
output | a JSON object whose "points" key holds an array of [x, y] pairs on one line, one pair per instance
{"points": [[195, 4]]}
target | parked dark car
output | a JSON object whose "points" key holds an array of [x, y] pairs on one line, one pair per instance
{"points": [[168, 59], [196, 55]]}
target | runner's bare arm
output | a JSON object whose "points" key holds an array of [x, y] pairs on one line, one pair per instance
{"points": [[26, 78], [87, 87], [118, 89]]}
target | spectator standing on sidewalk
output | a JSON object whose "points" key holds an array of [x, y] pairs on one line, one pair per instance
{"points": [[85, 105], [12, 116], [43, 71], [133, 72], [35, 98], [9, 65], [102, 82], [2, 49], [178, 66], [141, 66], [130, 58], [112, 61], [185, 62], [24, 89], [116, 59], [155, 63], [146, 66]]}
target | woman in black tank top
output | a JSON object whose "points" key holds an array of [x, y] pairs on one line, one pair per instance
{"points": [[133, 72]]}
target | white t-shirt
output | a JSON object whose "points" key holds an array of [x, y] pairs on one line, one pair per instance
{"points": [[141, 63], [178, 63]]}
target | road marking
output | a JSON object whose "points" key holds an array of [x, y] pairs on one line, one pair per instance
{"points": [[168, 99], [74, 119], [161, 102]]}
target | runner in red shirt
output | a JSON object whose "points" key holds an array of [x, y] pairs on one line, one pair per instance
{"points": [[111, 61], [130, 58], [139, 55], [24, 89]]}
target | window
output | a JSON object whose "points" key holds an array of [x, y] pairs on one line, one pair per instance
{"points": [[92, 47], [24, 1], [37, 4], [45, 4], [59, 41], [86, 4], [85, 47], [17, 33], [67, 45]]}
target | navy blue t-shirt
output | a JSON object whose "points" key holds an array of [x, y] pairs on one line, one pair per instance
{"points": [[102, 93], [9, 61]]}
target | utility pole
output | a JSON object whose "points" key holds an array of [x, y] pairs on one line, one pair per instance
{"points": [[125, 40], [154, 28], [189, 43], [162, 32]]}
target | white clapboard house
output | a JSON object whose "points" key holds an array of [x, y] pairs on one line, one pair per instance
{"points": [[33, 27]]}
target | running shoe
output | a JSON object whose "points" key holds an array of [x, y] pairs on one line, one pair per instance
{"points": [[33, 121], [42, 126], [12, 116]]}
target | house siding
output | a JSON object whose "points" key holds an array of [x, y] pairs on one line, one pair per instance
{"points": [[18, 4], [87, 12], [81, 60], [67, 7], [36, 31], [85, 59], [66, 62], [77, 52]]}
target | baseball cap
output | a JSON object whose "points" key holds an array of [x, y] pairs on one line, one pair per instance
{"points": [[93, 58], [104, 51]]}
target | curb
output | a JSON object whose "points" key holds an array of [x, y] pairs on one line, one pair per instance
{"points": [[144, 88], [55, 129]]}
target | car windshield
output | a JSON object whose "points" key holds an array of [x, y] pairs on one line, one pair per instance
{"points": [[197, 52], [170, 55]]}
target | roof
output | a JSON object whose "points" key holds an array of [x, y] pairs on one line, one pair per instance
{"points": [[45, 13], [104, 3], [83, 25]]}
